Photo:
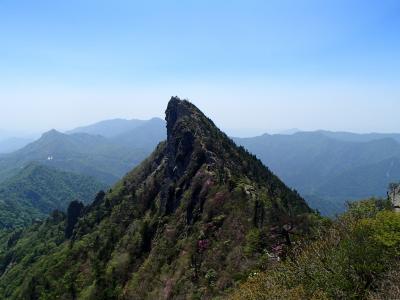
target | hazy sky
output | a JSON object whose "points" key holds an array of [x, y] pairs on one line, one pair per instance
{"points": [[250, 65]]}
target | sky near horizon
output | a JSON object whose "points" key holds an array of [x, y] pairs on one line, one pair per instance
{"points": [[252, 66]]}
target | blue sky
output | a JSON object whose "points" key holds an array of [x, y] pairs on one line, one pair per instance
{"points": [[253, 66]]}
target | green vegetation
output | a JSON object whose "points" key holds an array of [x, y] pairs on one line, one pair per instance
{"points": [[200, 219], [350, 258], [37, 190], [190, 222]]}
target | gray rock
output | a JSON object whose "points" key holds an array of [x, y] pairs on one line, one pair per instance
{"points": [[394, 196]]}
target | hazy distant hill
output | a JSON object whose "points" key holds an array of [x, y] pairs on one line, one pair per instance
{"points": [[80, 153], [145, 136], [115, 127], [356, 137], [12, 144], [36, 190], [329, 168]]}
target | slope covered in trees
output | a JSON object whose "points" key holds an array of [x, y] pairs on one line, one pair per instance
{"points": [[38, 190], [191, 221]]}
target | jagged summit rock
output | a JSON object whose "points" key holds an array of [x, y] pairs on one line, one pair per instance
{"points": [[183, 115], [188, 131]]}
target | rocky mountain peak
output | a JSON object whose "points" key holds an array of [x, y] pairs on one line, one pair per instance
{"points": [[199, 206], [176, 110], [182, 116]]}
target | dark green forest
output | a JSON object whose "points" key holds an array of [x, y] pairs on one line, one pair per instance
{"points": [[36, 190]]}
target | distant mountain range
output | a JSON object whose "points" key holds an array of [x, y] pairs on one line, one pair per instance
{"points": [[37, 190], [357, 137], [145, 136], [134, 134], [106, 158], [80, 153], [114, 127], [329, 168]]}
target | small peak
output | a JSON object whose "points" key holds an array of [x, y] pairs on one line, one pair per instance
{"points": [[51, 132]]}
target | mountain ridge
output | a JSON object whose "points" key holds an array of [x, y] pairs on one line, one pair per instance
{"points": [[81, 153], [313, 163], [197, 214], [113, 127]]}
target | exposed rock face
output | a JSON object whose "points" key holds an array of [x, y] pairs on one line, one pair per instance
{"points": [[74, 211], [187, 129], [394, 196], [180, 139], [186, 150]]}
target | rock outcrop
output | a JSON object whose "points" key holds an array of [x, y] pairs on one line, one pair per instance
{"points": [[394, 196]]}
